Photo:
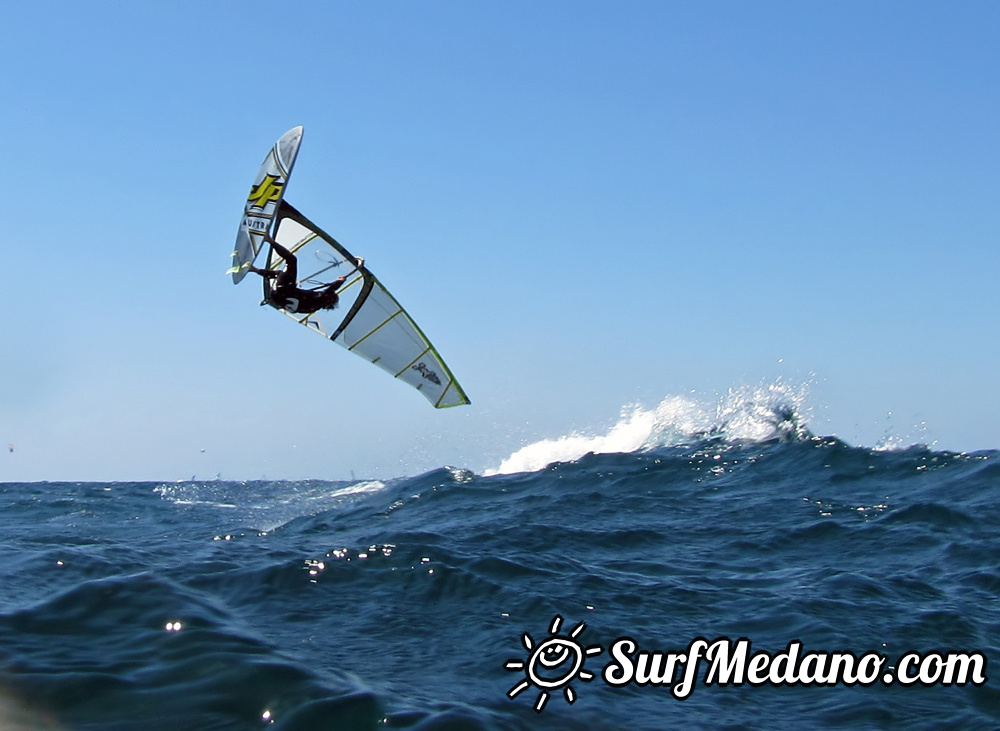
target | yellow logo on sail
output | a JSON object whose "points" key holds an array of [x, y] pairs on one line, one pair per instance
{"points": [[268, 191]]}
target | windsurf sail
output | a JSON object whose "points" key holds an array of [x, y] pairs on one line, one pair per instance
{"points": [[368, 321], [265, 195]]}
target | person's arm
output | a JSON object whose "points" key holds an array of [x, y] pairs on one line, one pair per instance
{"points": [[334, 285], [339, 281], [282, 251], [266, 273]]}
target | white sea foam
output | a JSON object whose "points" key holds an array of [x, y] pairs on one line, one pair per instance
{"points": [[359, 488], [268, 505], [747, 413]]}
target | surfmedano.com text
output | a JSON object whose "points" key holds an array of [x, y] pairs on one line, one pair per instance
{"points": [[727, 662]]}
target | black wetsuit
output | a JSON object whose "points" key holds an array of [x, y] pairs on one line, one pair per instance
{"points": [[287, 295]]}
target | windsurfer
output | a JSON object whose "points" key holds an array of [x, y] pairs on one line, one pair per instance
{"points": [[286, 294]]}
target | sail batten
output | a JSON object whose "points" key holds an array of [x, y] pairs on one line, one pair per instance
{"points": [[378, 327], [412, 362]]}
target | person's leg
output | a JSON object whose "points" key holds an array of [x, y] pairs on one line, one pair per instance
{"points": [[289, 277], [282, 251]]}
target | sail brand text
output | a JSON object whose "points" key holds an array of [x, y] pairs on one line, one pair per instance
{"points": [[427, 373]]}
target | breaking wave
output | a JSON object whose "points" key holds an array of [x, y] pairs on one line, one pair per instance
{"points": [[748, 413]]}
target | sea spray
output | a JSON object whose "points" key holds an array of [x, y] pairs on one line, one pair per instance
{"points": [[748, 413]]}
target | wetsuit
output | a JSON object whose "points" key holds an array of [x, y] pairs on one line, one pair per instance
{"points": [[286, 293]]}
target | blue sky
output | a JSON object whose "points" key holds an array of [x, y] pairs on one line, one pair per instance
{"points": [[584, 205]]}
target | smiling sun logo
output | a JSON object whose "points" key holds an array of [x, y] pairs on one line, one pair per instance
{"points": [[552, 664]]}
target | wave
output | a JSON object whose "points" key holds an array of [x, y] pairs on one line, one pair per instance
{"points": [[744, 414], [267, 505], [106, 653]]}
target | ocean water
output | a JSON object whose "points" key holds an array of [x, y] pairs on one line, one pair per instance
{"points": [[422, 602]]}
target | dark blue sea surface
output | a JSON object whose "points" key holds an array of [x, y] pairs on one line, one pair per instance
{"points": [[368, 605]]}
